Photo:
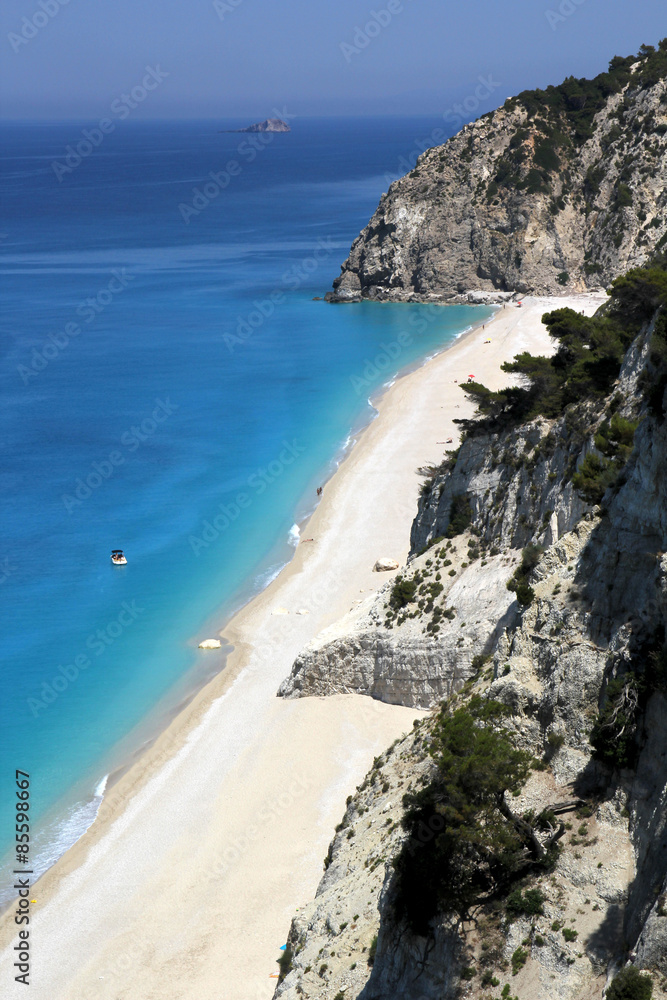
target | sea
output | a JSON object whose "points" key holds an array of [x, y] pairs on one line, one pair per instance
{"points": [[174, 386]]}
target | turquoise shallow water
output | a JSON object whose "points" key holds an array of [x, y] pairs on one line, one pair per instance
{"points": [[157, 366]]}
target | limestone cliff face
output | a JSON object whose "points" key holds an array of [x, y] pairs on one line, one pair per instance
{"points": [[406, 664], [600, 592], [526, 199]]}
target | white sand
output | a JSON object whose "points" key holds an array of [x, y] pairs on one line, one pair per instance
{"points": [[185, 885]]}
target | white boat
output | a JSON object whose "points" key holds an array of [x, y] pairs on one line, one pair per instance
{"points": [[117, 558]]}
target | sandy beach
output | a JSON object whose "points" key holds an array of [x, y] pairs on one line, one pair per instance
{"points": [[185, 885]]}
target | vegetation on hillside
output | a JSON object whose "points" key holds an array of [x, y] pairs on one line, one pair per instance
{"points": [[588, 359], [465, 845], [600, 469], [577, 101], [530, 557], [560, 120], [630, 984]]}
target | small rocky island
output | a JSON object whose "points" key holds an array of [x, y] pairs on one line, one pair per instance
{"points": [[269, 125]]}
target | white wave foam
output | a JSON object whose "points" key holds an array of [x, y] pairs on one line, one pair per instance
{"points": [[102, 787], [262, 581], [61, 834], [293, 536]]}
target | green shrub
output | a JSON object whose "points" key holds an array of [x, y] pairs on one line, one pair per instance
{"points": [[594, 477], [623, 197], [468, 973], [519, 959], [546, 156], [563, 278], [630, 984], [403, 592], [555, 740], [570, 934], [527, 903], [460, 516], [372, 951], [530, 557], [479, 661]]}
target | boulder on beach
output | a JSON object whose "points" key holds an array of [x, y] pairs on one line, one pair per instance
{"points": [[210, 644], [383, 565]]}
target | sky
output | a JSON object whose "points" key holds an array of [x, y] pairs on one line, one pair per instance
{"points": [[68, 59]]}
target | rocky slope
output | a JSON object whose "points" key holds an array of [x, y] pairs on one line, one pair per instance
{"points": [[268, 125], [563, 188], [599, 594]]}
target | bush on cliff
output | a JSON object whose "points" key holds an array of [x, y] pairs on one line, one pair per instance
{"points": [[530, 557], [588, 359], [465, 845], [460, 516], [403, 592], [630, 984], [594, 477]]}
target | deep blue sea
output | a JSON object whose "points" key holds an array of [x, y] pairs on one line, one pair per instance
{"points": [[169, 387]]}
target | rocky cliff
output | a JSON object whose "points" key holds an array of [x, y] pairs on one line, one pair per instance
{"points": [[557, 189], [578, 639], [268, 125]]}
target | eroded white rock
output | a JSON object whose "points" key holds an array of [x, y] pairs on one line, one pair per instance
{"points": [[384, 565], [210, 644]]}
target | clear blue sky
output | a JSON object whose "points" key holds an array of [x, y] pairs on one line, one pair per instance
{"points": [[247, 57]]}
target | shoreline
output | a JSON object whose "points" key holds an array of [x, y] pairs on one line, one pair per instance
{"points": [[146, 733], [321, 578]]}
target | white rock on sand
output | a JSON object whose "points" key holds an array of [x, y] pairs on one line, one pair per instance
{"points": [[210, 644], [383, 565]]}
